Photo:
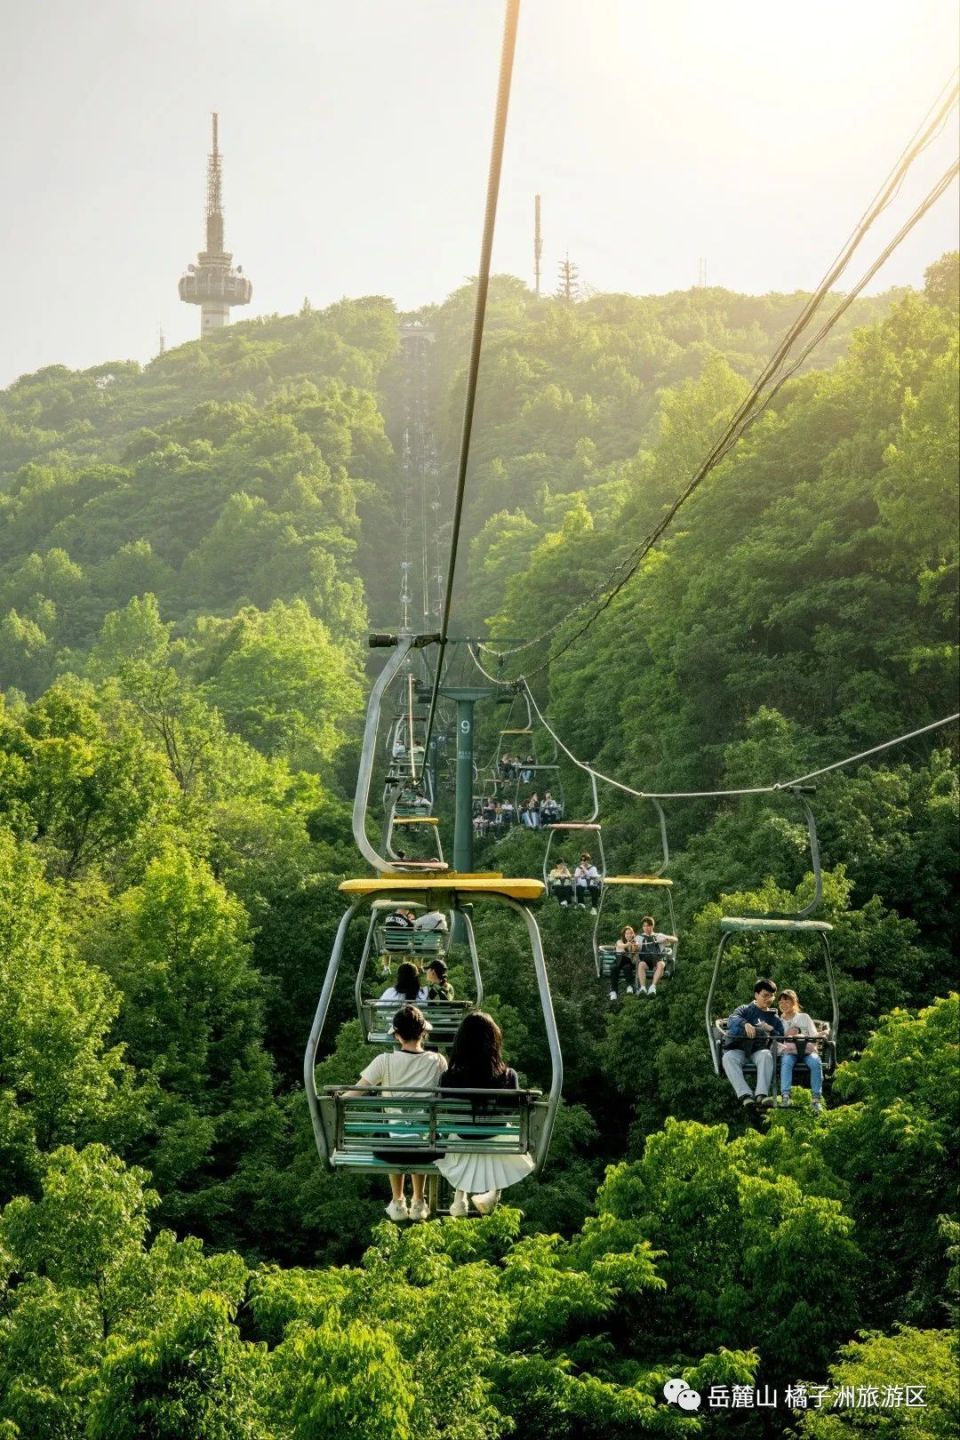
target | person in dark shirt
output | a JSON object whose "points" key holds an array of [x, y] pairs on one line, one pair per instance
{"points": [[651, 943], [748, 1035], [476, 1063], [438, 986]]}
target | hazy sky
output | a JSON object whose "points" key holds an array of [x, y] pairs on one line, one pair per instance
{"points": [[356, 137]]}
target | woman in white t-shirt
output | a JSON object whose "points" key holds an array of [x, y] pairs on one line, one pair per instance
{"points": [[407, 990], [419, 1069]]}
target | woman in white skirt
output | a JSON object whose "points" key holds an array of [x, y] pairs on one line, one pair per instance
{"points": [[476, 1064]]}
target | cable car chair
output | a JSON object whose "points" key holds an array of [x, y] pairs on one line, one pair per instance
{"points": [[783, 923], [390, 861], [574, 828], [371, 1132], [394, 943], [605, 956]]}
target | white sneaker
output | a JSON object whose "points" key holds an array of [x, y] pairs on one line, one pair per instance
{"points": [[613, 995], [397, 1210], [593, 909], [629, 989], [460, 1206], [641, 989], [652, 990], [487, 1202], [419, 1210], [564, 904]]}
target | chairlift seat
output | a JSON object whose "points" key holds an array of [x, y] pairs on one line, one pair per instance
{"points": [[373, 1132], [610, 960], [405, 940], [824, 1041], [444, 1017]]}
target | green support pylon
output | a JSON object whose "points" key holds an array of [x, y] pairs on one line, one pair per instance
{"points": [[466, 698]]}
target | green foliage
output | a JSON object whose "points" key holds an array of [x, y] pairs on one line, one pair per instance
{"points": [[190, 1378], [95, 1324], [177, 947], [738, 1229], [867, 1368], [281, 683], [201, 541], [895, 1144], [62, 1082]]}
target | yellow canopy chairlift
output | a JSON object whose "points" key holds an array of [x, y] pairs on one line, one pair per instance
{"points": [[650, 892], [371, 1132], [779, 923], [389, 944]]}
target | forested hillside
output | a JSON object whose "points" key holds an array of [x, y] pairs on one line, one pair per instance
{"points": [[191, 555]]}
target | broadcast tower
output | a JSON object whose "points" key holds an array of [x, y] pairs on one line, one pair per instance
{"points": [[213, 283]]}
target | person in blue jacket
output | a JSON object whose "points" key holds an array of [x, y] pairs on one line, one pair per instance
{"points": [[748, 1036]]}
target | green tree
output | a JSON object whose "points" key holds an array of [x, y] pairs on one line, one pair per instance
{"points": [[874, 1372], [178, 948]]}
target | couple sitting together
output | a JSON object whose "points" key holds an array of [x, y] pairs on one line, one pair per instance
{"points": [[476, 1063], [756, 1032]]}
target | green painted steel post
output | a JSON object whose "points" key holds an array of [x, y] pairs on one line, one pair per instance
{"points": [[463, 822]]}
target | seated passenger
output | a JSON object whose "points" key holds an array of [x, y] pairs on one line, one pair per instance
{"points": [[507, 813], [407, 988], [400, 919], [586, 879], [560, 883], [431, 920], [626, 961], [749, 1032], [438, 986], [476, 1063], [797, 1022], [411, 1065], [650, 943], [533, 810], [549, 809], [527, 765]]}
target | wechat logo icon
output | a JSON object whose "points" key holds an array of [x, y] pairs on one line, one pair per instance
{"points": [[679, 1393]]}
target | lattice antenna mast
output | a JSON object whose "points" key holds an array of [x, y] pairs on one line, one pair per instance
{"points": [[215, 193]]}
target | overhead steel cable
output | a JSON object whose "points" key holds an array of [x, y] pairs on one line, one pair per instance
{"points": [[712, 794], [722, 449], [756, 401], [507, 51]]}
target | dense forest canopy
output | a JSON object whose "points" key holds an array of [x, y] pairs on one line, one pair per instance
{"points": [[191, 554]]}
